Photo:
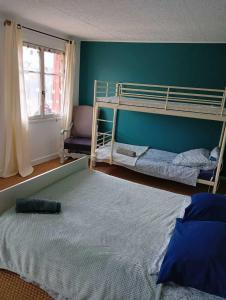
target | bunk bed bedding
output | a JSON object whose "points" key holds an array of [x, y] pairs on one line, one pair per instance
{"points": [[103, 153], [159, 164], [108, 242], [192, 107]]}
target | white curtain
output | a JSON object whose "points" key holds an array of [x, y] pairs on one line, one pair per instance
{"points": [[69, 83], [16, 149]]}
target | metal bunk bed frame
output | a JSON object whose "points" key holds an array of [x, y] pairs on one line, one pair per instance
{"points": [[198, 103]]}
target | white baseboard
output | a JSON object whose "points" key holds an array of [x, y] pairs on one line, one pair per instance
{"points": [[45, 158]]}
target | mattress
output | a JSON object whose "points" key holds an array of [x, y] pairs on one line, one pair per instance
{"points": [[208, 109], [108, 242], [157, 163]]}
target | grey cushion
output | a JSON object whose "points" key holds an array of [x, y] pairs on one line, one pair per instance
{"points": [[126, 152]]}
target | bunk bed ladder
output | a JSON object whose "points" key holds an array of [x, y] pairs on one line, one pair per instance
{"points": [[101, 137]]}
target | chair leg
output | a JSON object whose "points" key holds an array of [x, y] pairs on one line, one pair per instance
{"points": [[62, 157]]}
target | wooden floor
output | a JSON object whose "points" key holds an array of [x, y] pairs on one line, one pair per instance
{"points": [[12, 287], [39, 169], [168, 185], [120, 172]]}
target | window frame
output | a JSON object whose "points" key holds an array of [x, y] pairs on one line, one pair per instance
{"points": [[42, 50]]}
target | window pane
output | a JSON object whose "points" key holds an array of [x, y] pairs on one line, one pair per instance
{"points": [[53, 94], [31, 59], [54, 69], [33, 93], [54, 63]]}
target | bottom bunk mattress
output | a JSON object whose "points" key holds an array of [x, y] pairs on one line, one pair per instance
{"points": [[108, 242], [157, 163]]}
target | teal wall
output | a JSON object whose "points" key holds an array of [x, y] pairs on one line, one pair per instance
{"points": [[196, 65]]}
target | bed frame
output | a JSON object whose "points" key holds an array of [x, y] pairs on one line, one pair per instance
{"points": [[196, 103], [31, 186]]}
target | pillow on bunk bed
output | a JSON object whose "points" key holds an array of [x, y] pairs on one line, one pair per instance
{"points": [[193, 158], [215, 154], [196, 257], [206, 207]]}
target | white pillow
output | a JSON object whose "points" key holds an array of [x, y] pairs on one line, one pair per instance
{"points": [[214, 154], [193, 158]]}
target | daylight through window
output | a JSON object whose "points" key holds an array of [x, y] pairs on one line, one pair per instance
{"points": [[44, 75]]}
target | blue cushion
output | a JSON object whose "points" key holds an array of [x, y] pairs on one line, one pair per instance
{"points": [[206, 207], [196, 257]]}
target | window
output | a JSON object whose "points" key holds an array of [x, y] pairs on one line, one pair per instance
{"points": [[44, 75]]}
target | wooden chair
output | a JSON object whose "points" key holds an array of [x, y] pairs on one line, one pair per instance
{"points": [[80, 133]]}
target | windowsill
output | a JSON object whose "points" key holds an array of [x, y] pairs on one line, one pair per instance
{"points": [[45, 119]]}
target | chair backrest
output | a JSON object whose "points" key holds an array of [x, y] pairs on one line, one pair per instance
{"points": [[82, 121]]}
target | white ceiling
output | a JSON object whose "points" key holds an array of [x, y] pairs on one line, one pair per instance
{"points": [[127, 20]]}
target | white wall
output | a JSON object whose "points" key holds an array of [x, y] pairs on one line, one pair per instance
{"points": [[44, 134], [45, 140]]}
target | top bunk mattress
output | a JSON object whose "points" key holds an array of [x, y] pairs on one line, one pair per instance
{"points": [[161, 104]]}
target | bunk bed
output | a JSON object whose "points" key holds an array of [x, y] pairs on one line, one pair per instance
{"points": [[198, 103]]}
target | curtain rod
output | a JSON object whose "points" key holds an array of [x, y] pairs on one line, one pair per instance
{"points": [[8, 22]]}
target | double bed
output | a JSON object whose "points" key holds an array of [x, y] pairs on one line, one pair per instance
{"points": [[108, 242]]}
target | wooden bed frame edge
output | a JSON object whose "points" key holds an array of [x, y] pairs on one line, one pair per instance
{"points": [[27, 188]]}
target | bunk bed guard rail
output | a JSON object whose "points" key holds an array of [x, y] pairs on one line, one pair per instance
{"points": [[168, 97]]}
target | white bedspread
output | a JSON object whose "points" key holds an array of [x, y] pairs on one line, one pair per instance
{"points": [[109, 238], [103, 153], [111, 235]]}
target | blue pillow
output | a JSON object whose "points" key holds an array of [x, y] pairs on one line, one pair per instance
{"points": [[196, 257], [206, 207]]}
